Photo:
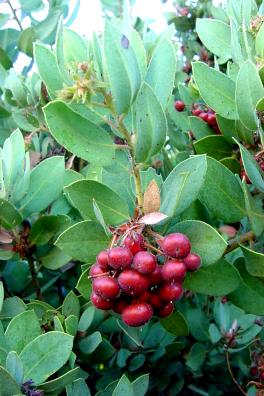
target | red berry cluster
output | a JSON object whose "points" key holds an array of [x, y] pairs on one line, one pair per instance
{"points": [[129, 280], [200, 110]]}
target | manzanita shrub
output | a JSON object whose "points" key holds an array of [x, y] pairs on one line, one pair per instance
{"points": [[131, 205]]}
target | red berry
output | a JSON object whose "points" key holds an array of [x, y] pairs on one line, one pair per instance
{"points": [[176, 245], [144, 262], [137, 314], [132, 282], [179, 105], [145, 296], [261, 376], [134, 242], [254, 371], [173, 270], [106, 287], [216, 129], [102, 259], [192, 262], [120, 257], [166, 311], [196, 112], [204, 116], [156, 301], [171, 291], [155, 278], [211, 119], [95, 270], [100, 302], [120, 305]]}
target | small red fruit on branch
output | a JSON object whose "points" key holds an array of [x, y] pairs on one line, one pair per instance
{"points": [[128, 279]]}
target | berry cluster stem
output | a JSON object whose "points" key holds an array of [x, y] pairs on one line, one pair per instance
{"points": [[232, 375], [34, 277]]}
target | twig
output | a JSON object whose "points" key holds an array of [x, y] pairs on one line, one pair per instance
{"points": [[249, 236], [35, 281], [148, 245], [232, 375], [70, 162], [14, 14]]}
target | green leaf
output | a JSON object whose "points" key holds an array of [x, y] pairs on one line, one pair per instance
{"points": [[205, 240], [14, 366], [54, 259], [82, 193], [59, 53], [75, 47], [161, 71], [86, 318], [78, 387], [22, 329], [8, 385], [182, 185], [9, 215], [122, 68], [46, 227], [11, 307], [254, 210], [59, 384], [89, 344], [214, 146], [26, 40], [217, 90], [71, 325], [175, 324], [199, 128], [123, 387], [2, 295], [252, 168], [250, 294], [83, 241], [46, 182], [84, 285], [196, 356], [45, 355], [215, 334], [13, 154], [249, 90], [218, 279], [140, 385], [48, 69], [216, 36], [222, 193], [150, 124], [232, 164], [71, 305], [70, 130], [254, 262], [259, 42]]}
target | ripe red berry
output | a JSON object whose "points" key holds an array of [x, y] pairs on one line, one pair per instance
{"points": [[100, 302], [96, 270], [261, 376], [166, 311], [106, 287], [216, 129], [196, 112], [144, 262], [192, 262], [132, 282], [211, 119], [204, 116], [134, 242], [145, 296], [173, 270], [155, 278], [102, 259], [179, 105], [156, 301], [254, 371], [171, 291], [137, 314], [120, 305], [120, 257], [176, 245]]}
